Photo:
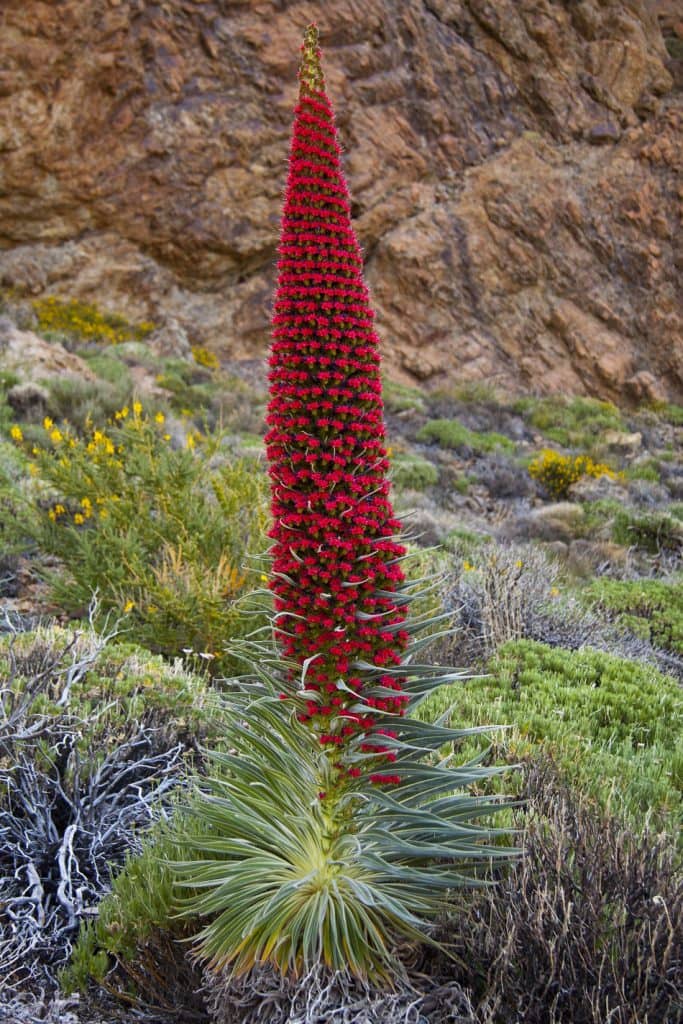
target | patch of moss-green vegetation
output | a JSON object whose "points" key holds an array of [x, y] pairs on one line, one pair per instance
{"points": [[400, 397], [414, 473], [647, 470], [650, 608], [126, 686], [654, 532], [572, 423], [454, 434], [669, 412], [614, 726]]}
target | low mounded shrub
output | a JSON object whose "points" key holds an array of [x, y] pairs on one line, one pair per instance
{"points": [[651, 608], [401, 398], [654, 532], [205, 393], [83, 321], [414, 473], [83, 402], [614, 726], [556, 472], [585, 929], [94, 739], [454, 434], [509, 592], [160, 533], [574, 423], [503, 477]]}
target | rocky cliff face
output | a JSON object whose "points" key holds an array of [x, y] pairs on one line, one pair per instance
{"points": [[513, 165]]}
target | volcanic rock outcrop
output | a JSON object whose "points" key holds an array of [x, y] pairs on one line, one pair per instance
{"points": [[515, 167]]}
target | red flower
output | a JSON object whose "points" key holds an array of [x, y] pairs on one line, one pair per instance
{"points": [[333, 523]]}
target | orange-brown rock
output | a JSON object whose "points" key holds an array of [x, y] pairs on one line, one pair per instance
{"points": [[513, 165]]}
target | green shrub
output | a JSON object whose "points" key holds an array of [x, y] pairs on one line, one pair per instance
{"points": [[598, 517], [110, 368], [453, 434], [654, 532], [141, 902], [82, 402], [669, 412], [462, 540], [414, 473], [572, 423], [13, 471], [122, 686], [651, 608], [400, 397], [647, 470], [476, 391], [215, 397], [613, 725], [159, 533]]}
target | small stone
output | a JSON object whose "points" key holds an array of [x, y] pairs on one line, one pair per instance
{"points": [[622, 443], [600, 134]]}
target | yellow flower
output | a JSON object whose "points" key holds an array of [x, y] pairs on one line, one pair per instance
{"points": [[79, 519], [121, 414], [47, 423], [59, 510], [160, 417], [86, 503], [167, 437], [52, 515], [103, 513], [128, 607], [137, 408], [467, 566], [264, 578], [33, 469], [189, 443], [554, 592], [56, 436], [15, 433], [519, 563]]}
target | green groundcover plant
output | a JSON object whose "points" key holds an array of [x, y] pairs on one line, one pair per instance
{"points": [[334, 823], [613, 726]]}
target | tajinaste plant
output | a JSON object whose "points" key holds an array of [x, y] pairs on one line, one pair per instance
{"points": [[336, 562], [333, 824]]}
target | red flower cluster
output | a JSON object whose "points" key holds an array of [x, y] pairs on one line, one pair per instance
{"points": [[335, 559]]}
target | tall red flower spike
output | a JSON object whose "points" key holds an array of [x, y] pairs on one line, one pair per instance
{"points": [[336, 564]]}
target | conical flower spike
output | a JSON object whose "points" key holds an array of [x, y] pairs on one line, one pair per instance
{"points": [[311, 73], [335, 568]]}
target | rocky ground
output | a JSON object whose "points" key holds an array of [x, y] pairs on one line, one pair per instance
{"points": [[464, 463], [472, 484]]}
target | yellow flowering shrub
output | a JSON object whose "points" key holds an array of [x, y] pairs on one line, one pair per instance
{"points": [[205, 357], [86, 322], [558, 472], [160, 532]]}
